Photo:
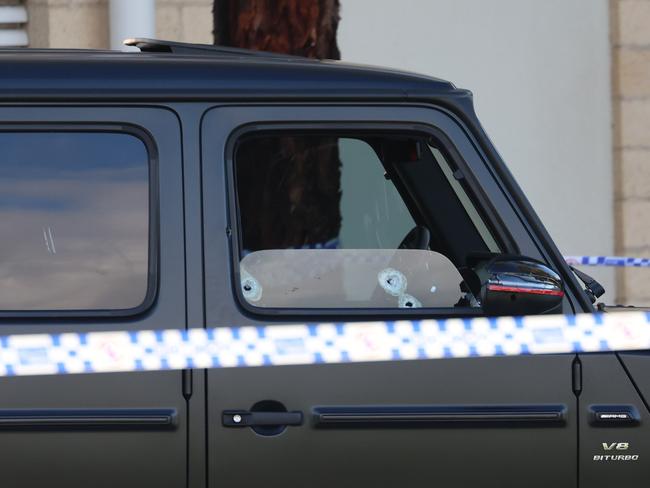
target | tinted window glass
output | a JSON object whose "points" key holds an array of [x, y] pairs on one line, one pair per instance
{"points": [[465, 201], [74, 221], [345, 221], [373, 214]]}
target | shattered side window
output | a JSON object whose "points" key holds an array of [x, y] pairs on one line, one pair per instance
{"points": [[349, 278], [334, 221], [316, 192]]}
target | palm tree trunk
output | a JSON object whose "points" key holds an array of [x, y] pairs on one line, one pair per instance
{"points": [[304, 209], [299, 27]]}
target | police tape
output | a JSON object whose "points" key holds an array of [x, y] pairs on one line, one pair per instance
{"points": [[325, 343], [618, 261]]}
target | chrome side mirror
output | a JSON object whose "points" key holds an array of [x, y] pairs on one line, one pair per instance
{"points": [[516, 285]]}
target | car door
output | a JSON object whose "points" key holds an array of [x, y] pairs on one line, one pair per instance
{"points": [[614, 442], [91, 203], [383, 446]]}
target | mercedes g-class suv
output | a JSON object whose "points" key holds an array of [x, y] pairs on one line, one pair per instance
{"points": [[196, 186]]}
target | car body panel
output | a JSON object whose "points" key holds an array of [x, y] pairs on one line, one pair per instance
{"points": [[96, 450], [191, 105]]}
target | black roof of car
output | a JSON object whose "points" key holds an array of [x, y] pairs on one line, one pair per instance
{"points": [[189, 71]]}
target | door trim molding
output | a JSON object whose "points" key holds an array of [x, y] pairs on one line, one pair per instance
{"points": [[438, 415], [84, 419]]}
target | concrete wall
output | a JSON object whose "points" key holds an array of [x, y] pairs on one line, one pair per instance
{"points": [[184, 20], [631, 102], [68, 23], [84, 23], [540, 73]]}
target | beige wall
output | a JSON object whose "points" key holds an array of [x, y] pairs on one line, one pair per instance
{"points": [[68, 23], [630, 20], [84, 23], [184, 20]]}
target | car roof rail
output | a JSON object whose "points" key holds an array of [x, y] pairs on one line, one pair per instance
{"points": [[161, 46]]}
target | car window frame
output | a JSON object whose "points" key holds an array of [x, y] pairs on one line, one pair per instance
{"points": [[153, 217], [452, 157]]}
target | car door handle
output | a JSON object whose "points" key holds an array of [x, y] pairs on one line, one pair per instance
{"points": [[245, 418]]}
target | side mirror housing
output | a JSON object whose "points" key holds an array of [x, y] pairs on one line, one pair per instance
{"points": [[516, 285]]}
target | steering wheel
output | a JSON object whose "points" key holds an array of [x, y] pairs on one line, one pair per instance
{"points": [[417, 238]]}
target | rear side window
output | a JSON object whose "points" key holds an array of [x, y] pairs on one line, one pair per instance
{"points": [[347, 221], [74, 221]]}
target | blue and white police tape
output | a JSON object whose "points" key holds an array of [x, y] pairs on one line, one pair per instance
{"points": [[619, 261], [278, 345]]}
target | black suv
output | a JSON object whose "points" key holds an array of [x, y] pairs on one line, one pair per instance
{"points": [[193, 186]]}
